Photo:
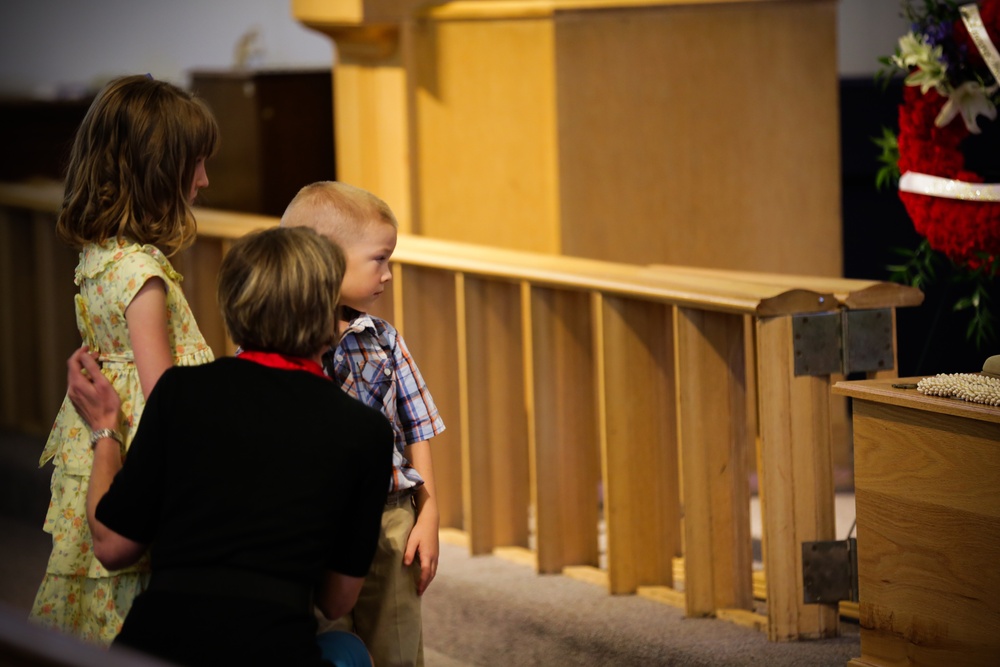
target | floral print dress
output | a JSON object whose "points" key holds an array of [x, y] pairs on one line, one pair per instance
{"points": [[78, 595]]}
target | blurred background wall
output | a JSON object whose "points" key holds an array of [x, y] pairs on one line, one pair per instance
{"points": [[61, 47]]}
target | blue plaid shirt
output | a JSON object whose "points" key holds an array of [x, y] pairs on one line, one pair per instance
{"points": [[372, 364]]}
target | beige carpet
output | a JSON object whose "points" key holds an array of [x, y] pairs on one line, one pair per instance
{"points": [[480, 611]]}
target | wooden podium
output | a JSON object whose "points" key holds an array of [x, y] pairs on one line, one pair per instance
{"points": [[696, 132], [927, 477]]}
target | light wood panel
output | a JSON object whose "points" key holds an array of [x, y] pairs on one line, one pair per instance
{"points": [[647, 149], [485, 132], [496, 451], [199, 265], [639, 442], [711, 371], [562, 404], [54, 270], [371, 133], [429, 325]]}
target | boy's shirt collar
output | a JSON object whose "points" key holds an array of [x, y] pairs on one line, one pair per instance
{"points": [[356, 320]]}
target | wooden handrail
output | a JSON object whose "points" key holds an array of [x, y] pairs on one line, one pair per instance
{"points": [[711, 289], [850, 292]]}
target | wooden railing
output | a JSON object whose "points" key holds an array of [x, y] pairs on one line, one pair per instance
{"points": [[576, 393]]}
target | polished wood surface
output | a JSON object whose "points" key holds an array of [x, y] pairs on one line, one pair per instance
{"points": [[927, 489]]}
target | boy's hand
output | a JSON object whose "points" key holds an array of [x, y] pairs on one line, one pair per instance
{"points": [[422, 544]]}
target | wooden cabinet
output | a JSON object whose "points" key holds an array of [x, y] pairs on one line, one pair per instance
{"points": [[927, 485], [277, 135]]}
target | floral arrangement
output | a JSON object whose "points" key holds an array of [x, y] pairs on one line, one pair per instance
{"points": [[952, 70]]}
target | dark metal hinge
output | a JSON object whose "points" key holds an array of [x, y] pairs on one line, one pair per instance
{"points": [[847, 341], [830, 571]]}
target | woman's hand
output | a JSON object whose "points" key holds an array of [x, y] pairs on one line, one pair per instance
{"points": [[98, 405], [95, 400]]}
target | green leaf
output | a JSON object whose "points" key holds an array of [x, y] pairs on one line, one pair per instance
{"points": [[887, 174], [918, 268]]}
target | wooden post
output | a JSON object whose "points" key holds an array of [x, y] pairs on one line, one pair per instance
{"points": [[17, 322], [796, 481], [57, 334], [199, 265]]}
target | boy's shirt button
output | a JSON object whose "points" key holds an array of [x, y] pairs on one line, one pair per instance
{"points": [[387, 371]]}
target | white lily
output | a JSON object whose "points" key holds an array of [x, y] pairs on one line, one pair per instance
{"points": [[916, 51], [972, 100]]}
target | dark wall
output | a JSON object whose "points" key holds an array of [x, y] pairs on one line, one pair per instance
{"points": [[36, 136], [931, 337]]}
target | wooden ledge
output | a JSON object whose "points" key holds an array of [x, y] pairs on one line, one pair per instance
{"points": [[883, 391], [880, 295], [853, 293], [737, 292], [326, 13], [34, 195]]}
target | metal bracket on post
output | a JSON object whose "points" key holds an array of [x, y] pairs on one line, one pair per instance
{"points": [[869, 340], [816, 342], [848, 341], [830, 571]]}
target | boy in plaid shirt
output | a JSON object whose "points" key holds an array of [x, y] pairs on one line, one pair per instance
{"points": [[372, 364]]}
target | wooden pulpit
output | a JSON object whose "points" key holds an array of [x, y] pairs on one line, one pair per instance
{"points": [[690, 132]]}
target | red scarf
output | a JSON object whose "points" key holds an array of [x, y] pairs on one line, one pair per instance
{"points": [[276, 360]]}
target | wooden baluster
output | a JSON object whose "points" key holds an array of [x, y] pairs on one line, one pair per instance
{"points": [[425, 303], [638, 441], [714, 436], [496, 449], [562, 412]]}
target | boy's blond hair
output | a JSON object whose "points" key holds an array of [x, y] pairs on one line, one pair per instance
{"points": [[338, 211]]}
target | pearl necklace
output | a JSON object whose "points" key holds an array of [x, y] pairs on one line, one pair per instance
{"points": [[972, 387]]}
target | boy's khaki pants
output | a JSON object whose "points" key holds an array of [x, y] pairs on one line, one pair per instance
{"points": [[387, 614]]}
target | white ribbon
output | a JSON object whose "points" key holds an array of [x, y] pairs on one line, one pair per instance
{"points": [[936, 186], [977, 31]]}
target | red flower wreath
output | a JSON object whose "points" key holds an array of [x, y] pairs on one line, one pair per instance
{"points": [[967, 232]]}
